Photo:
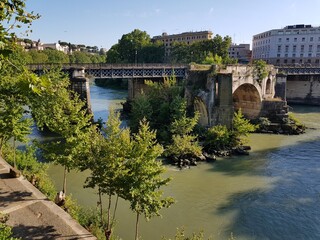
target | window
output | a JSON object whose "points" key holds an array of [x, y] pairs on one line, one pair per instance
{"points": [[287, 48], [302, 48], [317, 61], [318, 48], [286, 55], [279, 48], [293, 55], [294, 48], [279, 39], [285, 61], [293, 61], [311, 39], [301, 55], [295, 39], [287, 39], [303, 39], [278, 60], [278, 55], [310, 48], [309, 55]]}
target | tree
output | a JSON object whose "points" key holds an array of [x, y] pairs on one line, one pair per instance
{"points": [[184, 143], [13, 124], [136, 47], [80, 57], [212, 51], [144, 179], [55, 56], [65, 115], [14, 14], [218, 138], [106, 158], [241, 128], [38, 56]]}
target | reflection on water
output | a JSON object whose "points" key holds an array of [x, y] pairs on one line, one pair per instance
{"points": [[274, 193]]}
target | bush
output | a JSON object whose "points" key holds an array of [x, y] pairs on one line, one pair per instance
{"points": [[32, 169], [5, 231], [217, 138], [183, 146], [241, 129]]}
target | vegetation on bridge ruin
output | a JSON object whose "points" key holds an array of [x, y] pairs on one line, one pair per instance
{"points": [[164, 106]]}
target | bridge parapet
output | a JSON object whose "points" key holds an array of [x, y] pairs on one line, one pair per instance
{"points": [[299, 69], [121, 70]]}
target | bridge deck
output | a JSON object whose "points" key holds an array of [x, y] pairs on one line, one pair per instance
{"points": [[121, 70]]}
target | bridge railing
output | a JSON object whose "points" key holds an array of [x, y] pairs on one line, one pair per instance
{"points": [[104, 66]]}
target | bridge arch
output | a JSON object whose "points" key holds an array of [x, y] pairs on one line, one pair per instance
{"points": [[200, 106], [269, 86], [247, 97]]}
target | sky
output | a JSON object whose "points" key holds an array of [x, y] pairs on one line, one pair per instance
{"points": [[103, 22]]}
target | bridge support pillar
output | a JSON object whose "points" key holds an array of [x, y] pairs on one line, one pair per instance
{"points": [[80, 85], [281, 86], [222, 113]]}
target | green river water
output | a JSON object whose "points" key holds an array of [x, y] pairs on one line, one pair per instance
{"points": [[274, 193]]}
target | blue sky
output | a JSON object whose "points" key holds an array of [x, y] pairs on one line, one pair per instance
{"points": [[102, 22]]}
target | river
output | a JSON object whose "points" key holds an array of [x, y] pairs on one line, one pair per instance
{"points": [[274, 193]]}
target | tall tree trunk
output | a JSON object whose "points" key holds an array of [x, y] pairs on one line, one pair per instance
{"points": [[137, 226], [109, 207], [114, 211], [101, 210], [64, 189]]}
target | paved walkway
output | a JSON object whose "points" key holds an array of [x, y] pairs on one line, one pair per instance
{"points": [[31, 214]]}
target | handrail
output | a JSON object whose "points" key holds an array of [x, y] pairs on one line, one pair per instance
{"points": [[105, 65]]}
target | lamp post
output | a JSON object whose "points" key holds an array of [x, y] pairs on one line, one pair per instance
{"points": [[136, 57]]}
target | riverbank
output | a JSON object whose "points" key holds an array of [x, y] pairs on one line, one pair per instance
{"points": [[31, 214]]}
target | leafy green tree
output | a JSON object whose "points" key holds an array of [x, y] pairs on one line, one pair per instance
{"points": [[80, 57], [38, 57], [218, 138], [65, 116], [159, 105], [55, 56], [106, 159], [13, 124], [144, 178], [113, 55], [13, 14], [241, 128], [210, 59], [211, 51], [184, 143], [136, 47]]}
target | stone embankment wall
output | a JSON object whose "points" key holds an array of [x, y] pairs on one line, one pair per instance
{"points": [[303, 89]]}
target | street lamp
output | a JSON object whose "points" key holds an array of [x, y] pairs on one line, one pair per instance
{"points": [[135, 57]]}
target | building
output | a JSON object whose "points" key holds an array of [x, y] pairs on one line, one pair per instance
{"points": [[294, 44], [56, 46], [241, 52], [186, 37]]}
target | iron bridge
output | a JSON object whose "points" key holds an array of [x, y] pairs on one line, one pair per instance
{"points": [[119, 70]]}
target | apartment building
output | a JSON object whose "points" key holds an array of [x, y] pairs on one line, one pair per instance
{"points": [[294, 44], [186, 37], [241, 52]]}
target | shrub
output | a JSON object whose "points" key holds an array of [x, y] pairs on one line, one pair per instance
{"points": [[217, 138]]}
